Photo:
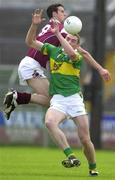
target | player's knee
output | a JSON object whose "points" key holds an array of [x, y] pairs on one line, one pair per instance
{"points": [[85, 141], [49, 124]]}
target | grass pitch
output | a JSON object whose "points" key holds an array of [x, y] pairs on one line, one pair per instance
{"points": [[34, 163]]}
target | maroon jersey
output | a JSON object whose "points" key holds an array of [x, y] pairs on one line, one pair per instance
{"points": [[45, 36]]}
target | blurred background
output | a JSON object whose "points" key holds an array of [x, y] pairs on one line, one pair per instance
{"points": [[26, 125]]}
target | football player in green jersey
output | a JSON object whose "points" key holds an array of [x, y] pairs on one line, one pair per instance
{"points": [[65, 91]]}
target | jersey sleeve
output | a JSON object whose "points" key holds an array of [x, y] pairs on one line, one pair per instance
{"points": [[47, 48]]}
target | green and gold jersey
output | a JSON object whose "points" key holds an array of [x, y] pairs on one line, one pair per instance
{"points": [[65, 73]]}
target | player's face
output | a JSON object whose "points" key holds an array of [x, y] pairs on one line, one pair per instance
{"points": [[60, 14], [73, 40]]}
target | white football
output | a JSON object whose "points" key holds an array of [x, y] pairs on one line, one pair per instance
{"points": [[73, 25]]}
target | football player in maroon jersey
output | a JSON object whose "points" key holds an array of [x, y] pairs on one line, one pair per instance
{"points": [[30, 69]]}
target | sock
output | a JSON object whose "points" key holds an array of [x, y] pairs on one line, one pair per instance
{"points": [[23, 98], [92, 166], [68, 152]]}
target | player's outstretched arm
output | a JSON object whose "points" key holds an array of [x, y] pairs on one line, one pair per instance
{"points": [[31, 34], [92, 62], [67, 47]]}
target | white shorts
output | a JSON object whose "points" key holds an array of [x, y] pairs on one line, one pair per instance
{"points": [[72, 106], [29, 68]]}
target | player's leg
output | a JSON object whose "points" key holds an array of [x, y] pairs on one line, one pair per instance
{"points": [[40, 86], [52, 120], [31, 73], [88, 147], [14, 98]]}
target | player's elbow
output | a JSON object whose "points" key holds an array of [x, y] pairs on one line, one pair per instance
{"points": [[29, 42], [86, 55]]}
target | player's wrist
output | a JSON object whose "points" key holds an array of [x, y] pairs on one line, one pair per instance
{"points": [[99, 69]]}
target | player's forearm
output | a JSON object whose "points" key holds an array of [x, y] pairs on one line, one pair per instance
{"points": [[89, 59], [31, 34], [31, 38], [67, 47], [92, 62]]}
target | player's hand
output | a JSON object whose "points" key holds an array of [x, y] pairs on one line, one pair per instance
{"points": [[37, 16], [105, 74]]}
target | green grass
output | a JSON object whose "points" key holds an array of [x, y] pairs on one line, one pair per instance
{"points": [[33, 163]]}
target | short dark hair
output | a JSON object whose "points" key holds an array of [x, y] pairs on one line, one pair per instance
{"points": [[52, 8]]}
